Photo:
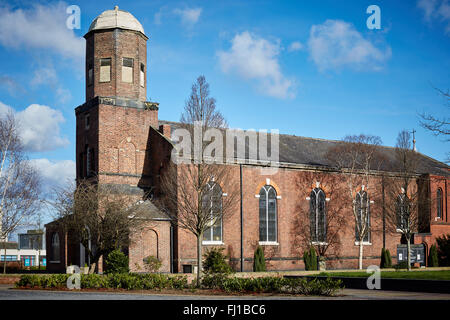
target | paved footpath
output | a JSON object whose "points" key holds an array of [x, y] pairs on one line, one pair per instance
{"points": [[9, 293]]}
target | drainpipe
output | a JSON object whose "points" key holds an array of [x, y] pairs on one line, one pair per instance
{"points": [[242, 223], [384, 212], [446, 208], [171, 247]]}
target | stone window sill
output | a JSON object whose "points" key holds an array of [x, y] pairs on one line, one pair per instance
{"points": [[268, 243], [212, 243], [364, 243], [319, 243]]}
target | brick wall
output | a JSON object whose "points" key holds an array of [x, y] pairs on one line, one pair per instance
{"points": [[438, 226], [123, 144], [291, 185], [86, 137], [116, 44], [151, 239], [118, 137], [435, 184]]}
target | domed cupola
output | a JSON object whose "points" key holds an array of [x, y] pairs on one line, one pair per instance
{"points": [[116, 57], [111, 19]]}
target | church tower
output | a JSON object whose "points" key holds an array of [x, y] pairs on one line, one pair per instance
{"points": [[113, 125], [116, 57]]}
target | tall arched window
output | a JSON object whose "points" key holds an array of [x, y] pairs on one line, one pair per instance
{"points": [[317, 214], [402, 209], [363, 215], [55, 247], [439, 202], [212, 205], [267, 214]]}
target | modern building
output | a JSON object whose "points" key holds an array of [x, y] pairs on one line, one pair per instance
{"points": [[11, 253], [30, 249], [121, 141]]}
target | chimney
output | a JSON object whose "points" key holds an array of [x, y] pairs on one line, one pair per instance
{"points": [[165, 130]]}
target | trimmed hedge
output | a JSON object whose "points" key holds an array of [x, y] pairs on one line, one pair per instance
{"points": [[401, 265], [110, 281], [219, 281], [117, 262], [304, 286]]}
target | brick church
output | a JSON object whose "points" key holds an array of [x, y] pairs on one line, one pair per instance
{"points": [[121, 141]]}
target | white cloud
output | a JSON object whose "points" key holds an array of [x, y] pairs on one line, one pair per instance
{"points": [[4, 109], [63, 95], [55, 173], [336, 44], [295, 46], [46, 75], [39, 127], [256, 58], [40, 27], [14, 88], [189, 16], [428, 7], [157, 17], [444, 10], [436, 10]]}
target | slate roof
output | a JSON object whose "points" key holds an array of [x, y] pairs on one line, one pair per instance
{"points": [[147, 210], [312, 152]]}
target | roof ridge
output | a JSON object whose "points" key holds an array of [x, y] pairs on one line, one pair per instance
{"points": [[438, 165]]}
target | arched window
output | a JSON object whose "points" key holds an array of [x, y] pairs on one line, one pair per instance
{"points": [[363, 214], [55, 247], [212, 205], [88, 161], [267, 214], [402, 210], [439, 202], [317, 214], [142, 75]]}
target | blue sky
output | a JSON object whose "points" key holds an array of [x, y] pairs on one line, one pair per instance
{"points": [[308, 68]]}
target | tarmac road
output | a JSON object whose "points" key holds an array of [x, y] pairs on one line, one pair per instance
{"points": [[8, 293]]}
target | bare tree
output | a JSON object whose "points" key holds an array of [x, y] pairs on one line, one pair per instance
{"points": [[357, 157], [303, 227], [404, 194], [198, 194], [438, 126], [19, 182], [97, 217], [37, 236]]}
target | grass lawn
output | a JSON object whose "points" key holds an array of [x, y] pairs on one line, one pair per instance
{"points": [[425, 275]]}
